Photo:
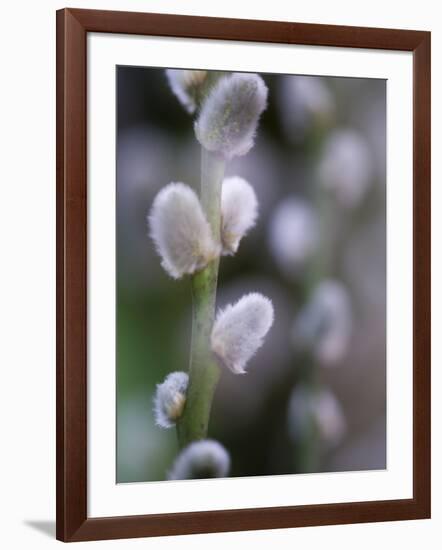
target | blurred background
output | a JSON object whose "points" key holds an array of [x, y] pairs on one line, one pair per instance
{"points": [[314, 397]]}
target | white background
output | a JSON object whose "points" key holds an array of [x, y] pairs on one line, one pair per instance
{"points": [[27, 289]]}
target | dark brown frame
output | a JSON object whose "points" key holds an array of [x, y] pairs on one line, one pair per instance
{"points": [[72, 521]]}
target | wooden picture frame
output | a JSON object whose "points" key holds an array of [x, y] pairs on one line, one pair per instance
{"points": [[73, 523]]}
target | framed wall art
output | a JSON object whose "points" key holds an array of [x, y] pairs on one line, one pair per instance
{"points": [[243, 274]]}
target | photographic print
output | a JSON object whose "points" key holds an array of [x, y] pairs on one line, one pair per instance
{"points": [[251, 274], [234, 289]]}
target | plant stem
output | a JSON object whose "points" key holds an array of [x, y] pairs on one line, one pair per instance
{"points": [[203, 369]]}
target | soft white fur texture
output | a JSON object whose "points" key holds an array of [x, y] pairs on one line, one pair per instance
{"points": [[239, 330], [170, 398], [202, 459], [229, 116], [184, 84], [239, 210], [180, 231]]}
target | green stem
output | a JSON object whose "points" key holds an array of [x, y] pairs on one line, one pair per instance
{"points": [[307, 455], [203, 369]]}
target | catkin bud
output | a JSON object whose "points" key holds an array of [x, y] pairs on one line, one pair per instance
{"points": [[239, 210], [229, 115], [186, 85], [201, 460], [293, 235], [180, 231], [346, 166], [324, 324], [315, 410], [239, 331], [305, 102], [170, 399]]}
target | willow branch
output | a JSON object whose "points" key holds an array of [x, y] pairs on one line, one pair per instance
{"points": [[203, 369]]}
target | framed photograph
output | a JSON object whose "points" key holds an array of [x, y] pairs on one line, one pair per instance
{"points": [[243, 274]]}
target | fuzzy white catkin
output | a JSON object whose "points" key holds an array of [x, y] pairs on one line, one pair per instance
{"points": [[239, 210], [347, 166], [293, 235], [201, 460], [180, 231], [185, 85], [324, 324], [316, 410], [170, 398], [239, 330], [304, 102], [229, 116]]}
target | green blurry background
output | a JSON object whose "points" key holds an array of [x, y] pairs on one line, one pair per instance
{"points": [[156, 145]]}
